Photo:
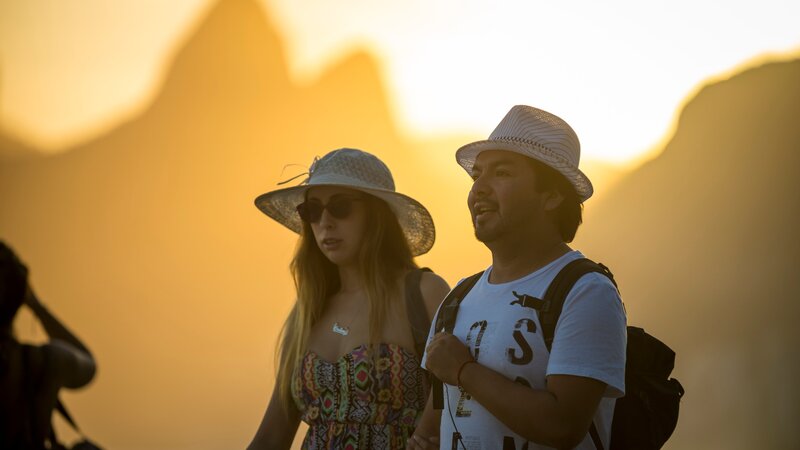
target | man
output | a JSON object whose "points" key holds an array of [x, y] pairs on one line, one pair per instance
{"points": [[503, 389]]}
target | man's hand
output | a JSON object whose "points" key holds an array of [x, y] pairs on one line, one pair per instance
{"points": [[446, 354]]}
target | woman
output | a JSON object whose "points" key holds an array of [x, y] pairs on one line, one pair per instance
{"points": [[31, 376], [348, 359]]}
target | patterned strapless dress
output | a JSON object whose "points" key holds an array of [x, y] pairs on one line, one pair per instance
{"points": [[360, 402]]}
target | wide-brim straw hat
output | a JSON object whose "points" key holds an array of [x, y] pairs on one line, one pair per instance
{"points": [[362, 171], [536, 134]]}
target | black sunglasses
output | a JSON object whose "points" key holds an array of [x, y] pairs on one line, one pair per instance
{"points": [[340, 207]]}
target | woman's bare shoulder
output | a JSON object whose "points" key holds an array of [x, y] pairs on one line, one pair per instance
{"points": [[434, 289]]}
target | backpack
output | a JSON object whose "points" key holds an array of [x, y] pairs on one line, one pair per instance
{"points": [[647, 415]]}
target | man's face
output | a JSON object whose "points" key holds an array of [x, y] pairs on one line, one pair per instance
{"points": [[503, 200]]}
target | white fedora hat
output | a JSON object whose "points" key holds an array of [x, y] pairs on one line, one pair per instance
{"points": [[353, 169], [539, 135]]}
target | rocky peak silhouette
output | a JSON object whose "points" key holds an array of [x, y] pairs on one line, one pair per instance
{"points": [[233, 60], [702, 241]]}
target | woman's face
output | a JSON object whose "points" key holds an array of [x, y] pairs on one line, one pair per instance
{"points": [[338, 219]]}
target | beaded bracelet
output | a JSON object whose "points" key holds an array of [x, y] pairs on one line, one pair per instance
{"points": [[464, 364]]}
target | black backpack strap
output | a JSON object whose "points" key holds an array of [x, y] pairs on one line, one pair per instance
{"points": [[558, 290], [418, 319], [553, 303], [445, 321]]}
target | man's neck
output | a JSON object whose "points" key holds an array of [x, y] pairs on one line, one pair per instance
{"points": [[514, 260]]}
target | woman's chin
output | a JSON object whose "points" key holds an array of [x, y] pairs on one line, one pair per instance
{"points": [[339, 257]]}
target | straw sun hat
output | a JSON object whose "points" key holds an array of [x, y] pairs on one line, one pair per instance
{"points": [[536, 134], [359, 170]]}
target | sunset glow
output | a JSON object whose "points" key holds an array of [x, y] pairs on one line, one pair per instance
{"points": [[136, 134], [615, 70]]}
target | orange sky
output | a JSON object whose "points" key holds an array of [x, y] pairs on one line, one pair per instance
{"points": [[72, 69]]}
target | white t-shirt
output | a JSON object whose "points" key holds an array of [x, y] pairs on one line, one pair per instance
{"points": [[590, 340]]}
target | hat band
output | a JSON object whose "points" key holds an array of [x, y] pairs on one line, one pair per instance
{"points": [[547, 150], [347, 180]]}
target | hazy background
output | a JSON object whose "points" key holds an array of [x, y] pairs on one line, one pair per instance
{"points": [[134, 138]]}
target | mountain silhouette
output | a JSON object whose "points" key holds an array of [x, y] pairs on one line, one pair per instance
{"points": [[702, 241], [13, 149], [234, 62], [146, 240]]}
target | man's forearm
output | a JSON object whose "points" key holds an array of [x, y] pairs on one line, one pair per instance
{"points": [[539, 415]]}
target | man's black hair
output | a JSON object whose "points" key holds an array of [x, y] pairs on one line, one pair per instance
{"points": [[569, 214]]}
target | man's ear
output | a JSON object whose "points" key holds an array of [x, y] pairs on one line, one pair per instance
{"points": [[552, 200]]}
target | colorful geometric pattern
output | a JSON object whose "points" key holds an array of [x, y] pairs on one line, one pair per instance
{"points": [[360, 402]]}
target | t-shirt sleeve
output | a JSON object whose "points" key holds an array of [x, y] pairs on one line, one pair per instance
{"points": [[590, 337]]}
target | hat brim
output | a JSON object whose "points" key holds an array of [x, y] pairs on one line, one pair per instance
{"points": [[467, 154], [414, 219]]}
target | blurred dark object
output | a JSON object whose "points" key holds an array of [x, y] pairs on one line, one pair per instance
{"points": [[13, 284]]}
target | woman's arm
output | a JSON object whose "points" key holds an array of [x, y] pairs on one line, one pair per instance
{"points": [[426, 435], [434, 289], [72, 363], [278, 427]]}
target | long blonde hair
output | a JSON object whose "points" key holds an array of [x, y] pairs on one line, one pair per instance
{"points": [[383, 256]]}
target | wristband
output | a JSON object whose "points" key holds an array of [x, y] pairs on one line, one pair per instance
{"points": [[460, 369]]}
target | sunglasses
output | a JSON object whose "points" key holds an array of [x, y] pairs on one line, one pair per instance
{"points": [[339, 207]]}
